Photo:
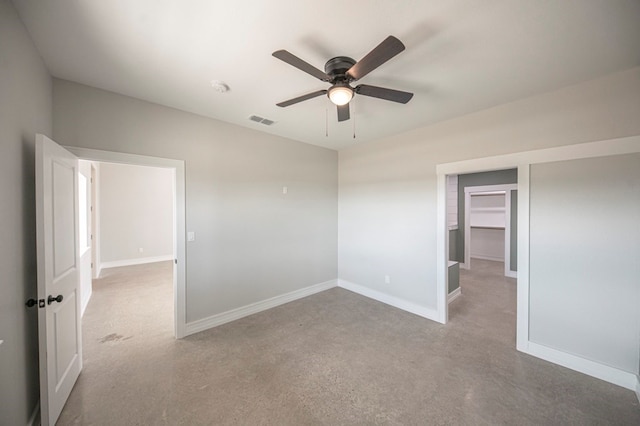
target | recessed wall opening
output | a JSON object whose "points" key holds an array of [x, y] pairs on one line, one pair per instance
{"points": [[482, 236]]}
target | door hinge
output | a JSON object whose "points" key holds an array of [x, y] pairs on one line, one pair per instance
{"points": [[91, 265], [176, 261]]}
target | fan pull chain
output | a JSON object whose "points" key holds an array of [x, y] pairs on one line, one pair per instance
{"points": [[326, 122], [354, 123]]}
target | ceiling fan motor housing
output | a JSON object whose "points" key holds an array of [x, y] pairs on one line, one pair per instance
{"points": [[337, 68]]}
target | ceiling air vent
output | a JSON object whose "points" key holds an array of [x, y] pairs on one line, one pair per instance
{"points": [[261, 120]]}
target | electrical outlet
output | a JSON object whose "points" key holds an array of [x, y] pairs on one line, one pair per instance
{"points": [[387, 279]]}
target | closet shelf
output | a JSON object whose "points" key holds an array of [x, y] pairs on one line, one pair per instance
{"points": [[487, 209]]}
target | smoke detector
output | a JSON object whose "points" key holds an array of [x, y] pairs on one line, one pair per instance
{"points": [[219, 86]]}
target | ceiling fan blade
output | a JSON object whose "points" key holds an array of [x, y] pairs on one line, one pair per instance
{"points": [[386, 50], [301, 98], [293, 60], [343, 112], [383, 93]]}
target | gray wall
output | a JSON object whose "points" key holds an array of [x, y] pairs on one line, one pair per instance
{"points": [[453, 244], [584, 249], [252, 242], [136, 212], [25, 109], [497, 177]]}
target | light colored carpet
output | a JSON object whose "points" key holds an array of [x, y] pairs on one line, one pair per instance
{"points": [[335, 358]]}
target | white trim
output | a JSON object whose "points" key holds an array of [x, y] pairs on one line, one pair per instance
{"points": [[583, 365], [489, 189], [179, 224], [95, 219], [396, 302], [34, 419], [442, 256], [137, 261], [522, 285], [638, 387], [454, 294], [86, 297], [244, 311]]}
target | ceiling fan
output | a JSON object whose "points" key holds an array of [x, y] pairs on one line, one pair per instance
{"points": [[341, 71]]}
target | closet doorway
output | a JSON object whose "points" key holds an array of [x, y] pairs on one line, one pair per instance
{"points": [[490, 213]]}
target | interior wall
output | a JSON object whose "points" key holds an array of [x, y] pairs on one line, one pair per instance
{"points": [[136, 212], [25, 109], [584, 248], [487, 243], [387, 204], [252, 241]]}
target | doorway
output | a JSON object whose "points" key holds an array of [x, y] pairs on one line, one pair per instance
{"points": [[480, 273], [521, 170], [178, 225], [63, 243]]}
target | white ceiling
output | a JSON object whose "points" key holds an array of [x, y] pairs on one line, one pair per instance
{"points": [[461, 55]]}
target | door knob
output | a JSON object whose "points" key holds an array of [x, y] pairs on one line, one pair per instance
{"points": [[52, 299], [31, 303]]}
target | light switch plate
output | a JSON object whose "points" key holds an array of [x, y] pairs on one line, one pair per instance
{"points": [[191, 236]]}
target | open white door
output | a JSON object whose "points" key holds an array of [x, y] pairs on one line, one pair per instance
{"points": [[58, 276]]}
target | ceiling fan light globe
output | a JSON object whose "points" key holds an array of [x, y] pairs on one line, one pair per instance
{"points": [[340, 95]]}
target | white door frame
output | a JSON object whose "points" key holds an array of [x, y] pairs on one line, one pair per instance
{"points": [[523, 162], [179, 228], [95, 221], [468, 192]]}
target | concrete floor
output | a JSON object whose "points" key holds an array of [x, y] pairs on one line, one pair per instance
{"points": [[334, 358]]}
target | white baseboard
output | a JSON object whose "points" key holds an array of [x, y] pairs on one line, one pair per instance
{"points": [[85, 302], [483, 257], [137, 261], [638, 387], [98, 270], [583, 365], [34, 419], [511, 274], [396, 302], [254, 308], [454, 294]]}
